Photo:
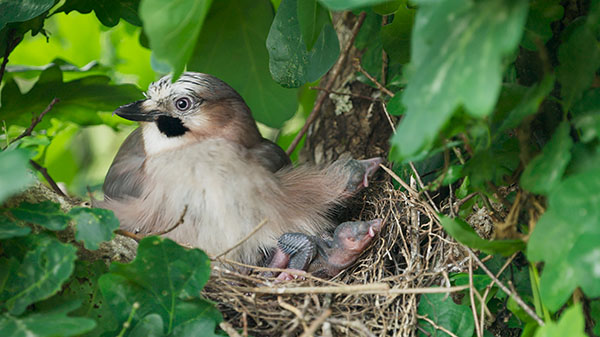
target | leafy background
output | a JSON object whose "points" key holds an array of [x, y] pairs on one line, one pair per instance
{"points": [[500, 98]]}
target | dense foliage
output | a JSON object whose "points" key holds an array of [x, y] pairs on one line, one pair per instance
{"points": [[499, 97]]}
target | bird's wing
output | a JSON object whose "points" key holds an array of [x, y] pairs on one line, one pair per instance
{"points": [[270, 155], [125, 176]]}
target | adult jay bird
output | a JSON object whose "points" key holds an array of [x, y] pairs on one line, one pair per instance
{"points": [[198, 146]]}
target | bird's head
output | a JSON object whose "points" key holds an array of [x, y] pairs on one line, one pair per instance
{"points": [[196, 106]]}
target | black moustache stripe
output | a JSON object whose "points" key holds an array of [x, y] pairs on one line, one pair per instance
{"points": [[171, 126]]}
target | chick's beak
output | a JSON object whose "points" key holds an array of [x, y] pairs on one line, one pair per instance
{"points": [[136, 112]]}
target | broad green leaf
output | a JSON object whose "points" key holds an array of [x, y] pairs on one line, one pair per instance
{"points": [[595, 314], [517, 102], [545, 171], [46, 324], [290, 63], [155, 280], [312, 17], [494, 163], [196, 318], [41, 274], [242, 42], [457, 49], [94, 225], [108, 12], [341, 5], [173, 28], [537, 29], [440, 308], [587, 115], [149, 326], [572, 224], [9, 229], [14, 174], [571, 323], [396, 35], [463, 233], [395, 106], [46, 214], [388, 7], [22, 10], [579, 59], [80, 99], [82, 287]]}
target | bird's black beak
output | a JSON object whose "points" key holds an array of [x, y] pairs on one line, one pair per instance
{"points": [[136, 112]]}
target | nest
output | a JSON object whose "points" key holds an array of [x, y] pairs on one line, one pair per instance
{"points": [[377, 296]]}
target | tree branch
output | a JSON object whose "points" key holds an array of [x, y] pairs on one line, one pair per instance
{"points": [[36, 120]]}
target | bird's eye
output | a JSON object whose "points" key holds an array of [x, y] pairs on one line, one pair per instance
{"points": [[183, 104]]}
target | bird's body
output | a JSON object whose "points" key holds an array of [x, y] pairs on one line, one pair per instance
{"points": [[199, 147]]}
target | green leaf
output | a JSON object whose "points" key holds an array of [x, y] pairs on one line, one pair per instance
{"points": [[440, 308], [14, 174], [572, 224], [173, 28], [161, 272], [541, 14], [463, 233], [342, 5], [289, 61], [517, 102], [9, 229], [388, 7], [312, 17], [587, 115], [82, 287], [396, 35], [579, 58], [51, 323], [109, 12], [545, 171], [494, 163], [80, 99], [41, 273], [94, 225], [46, 214], [22, 10], [243, 40], [149, 326], [571, 323], [457, 51]]}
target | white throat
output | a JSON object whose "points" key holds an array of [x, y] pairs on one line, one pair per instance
{"points": [[156, 141]]}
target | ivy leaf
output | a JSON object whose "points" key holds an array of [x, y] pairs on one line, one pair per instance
{"points": [[22, 10], [149, 326], [457, 51], [463, 233], [541, 14], [173, 28], [14, 174], [587, 115], [570, 222], [46, 214], [545, 171], [9, 229], [342, 5], [579, 58], [440, 308], [156, 279], [82, 287], [94, 225], [312, 17], [517, 102], [80, 99], [41, 274], [396, 35], [571, 323], [109, 12], [46, 324], [222, 46], [289, 61]]}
